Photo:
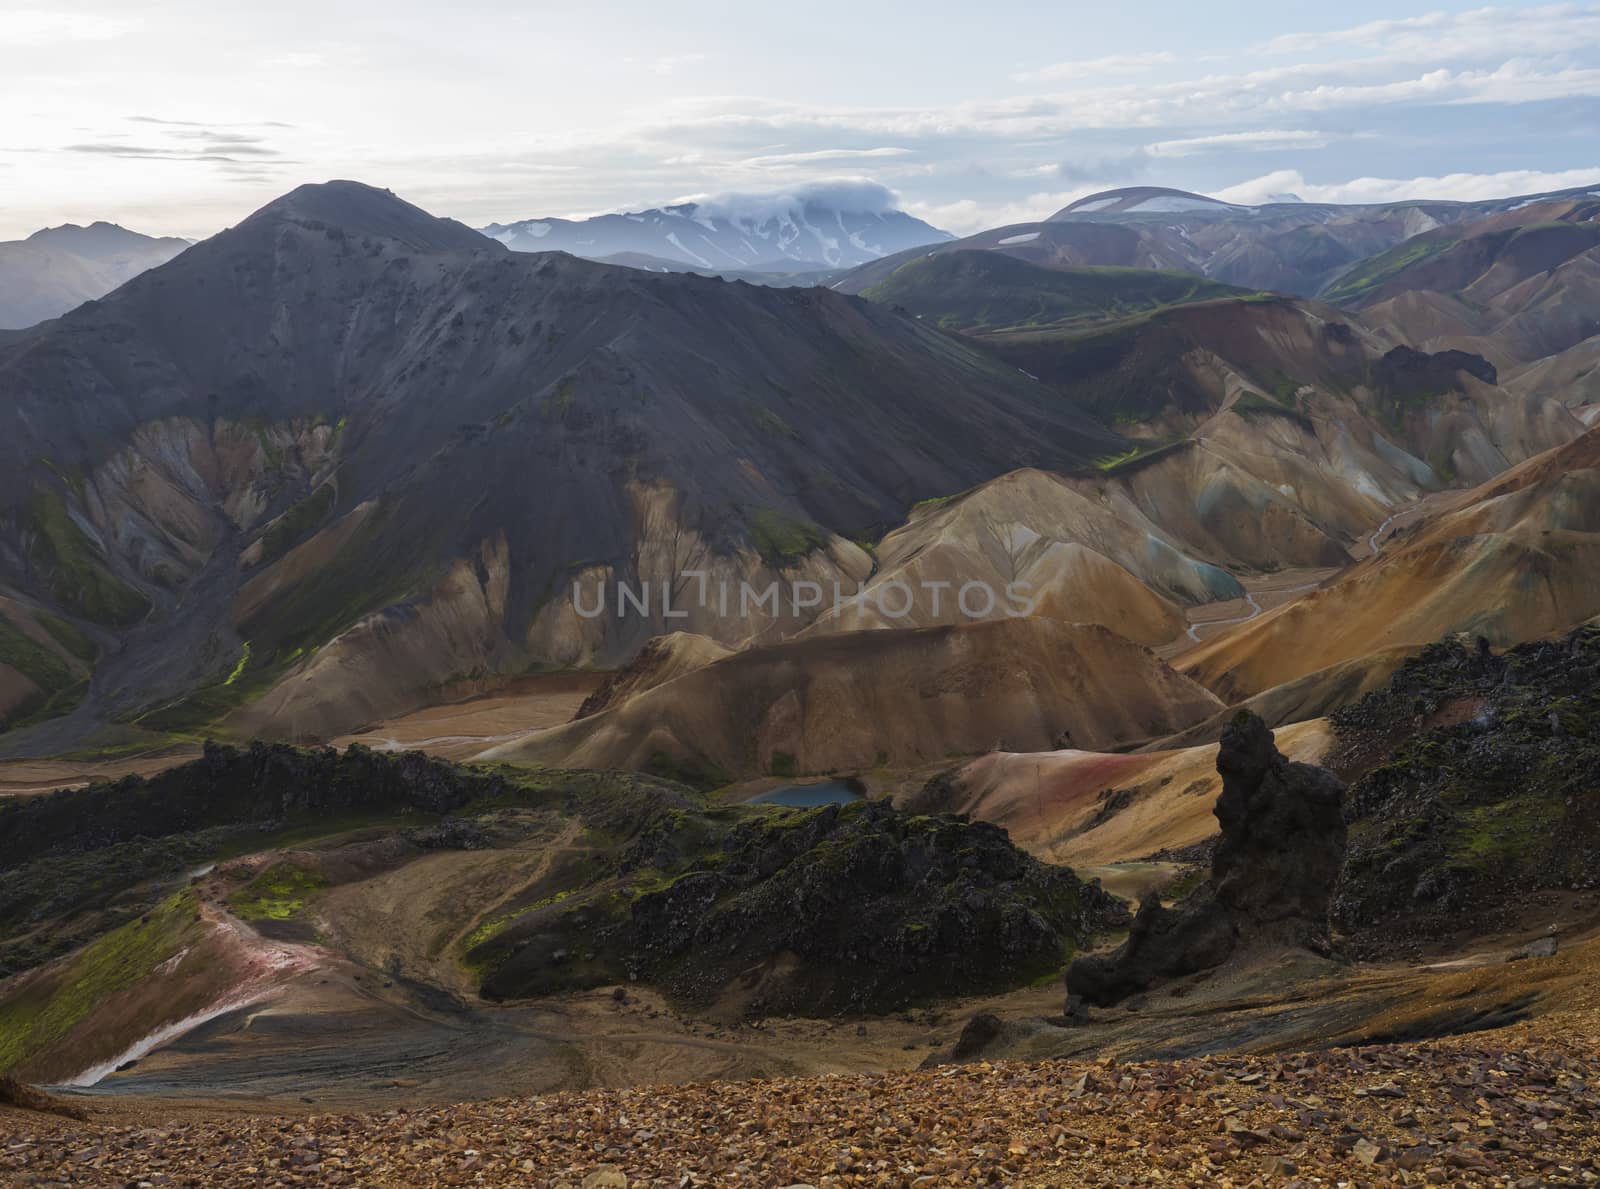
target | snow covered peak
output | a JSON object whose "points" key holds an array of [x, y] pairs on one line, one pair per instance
{"points": [[1143, 200], [827, 224]]}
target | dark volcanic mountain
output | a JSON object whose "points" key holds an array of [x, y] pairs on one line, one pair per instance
{"points": [[345, 406], [824, 226], [60, 267]]}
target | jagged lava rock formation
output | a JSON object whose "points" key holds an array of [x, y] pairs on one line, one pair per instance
{"points": [[1272, 876]]}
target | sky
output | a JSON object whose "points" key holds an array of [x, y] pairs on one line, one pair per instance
{"points": [[180, 117]]}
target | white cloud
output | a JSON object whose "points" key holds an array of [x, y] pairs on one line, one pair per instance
{"points": [[41, 26], [810, 158], [450, 115], [1099, 67], [1490, 32], [851, 195], [1455, 187], [1256, 97], [671, 63], [1373, 32], [300, 60], [967, 216], [1265, 140], [1514, 82]]}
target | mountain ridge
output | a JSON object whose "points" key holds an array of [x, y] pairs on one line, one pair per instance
{"points": [[57, 268], [1300, 248], [265, 412]]}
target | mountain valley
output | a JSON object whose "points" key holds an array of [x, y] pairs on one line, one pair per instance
{"points": [[717, 644]]}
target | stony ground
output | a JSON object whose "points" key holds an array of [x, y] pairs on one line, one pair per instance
{"points": [[1505, 1108]]}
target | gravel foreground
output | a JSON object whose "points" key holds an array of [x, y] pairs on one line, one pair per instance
{"points": [[1444, 1113]]}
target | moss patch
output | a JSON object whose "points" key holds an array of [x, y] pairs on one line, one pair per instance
{"points": [[77, 577], [43, 1014], [1375, 271], [33, 660], [782, 539], [277, 894], [69, 635]]}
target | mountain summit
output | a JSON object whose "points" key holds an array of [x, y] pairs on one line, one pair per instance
{"points": [[356, 208], [1143, 200], [822, 225]]}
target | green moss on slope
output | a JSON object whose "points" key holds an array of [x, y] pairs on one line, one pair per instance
{"points": [[77, 576], [60, 689], [37, 1018], [1375, 271], [276, 894], [782, 539], [33, 660], [69, 635]]}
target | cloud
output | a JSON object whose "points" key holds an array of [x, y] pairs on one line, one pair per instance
{"points": [[1259, 100], [1262, 141], [967, 216], [1373, 32], [1445, 95], [116, 150], [1514, 82], [211, 134], [816, 155], [203, 124], [206, 152], [1104, 169], [1455, 187], [1111, 64], [850, 195], [40, 26], [668, 64], [238, 155], [239, 149], [1482, 33]]}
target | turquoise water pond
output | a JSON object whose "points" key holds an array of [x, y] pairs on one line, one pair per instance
{"points": [[807, 796]]}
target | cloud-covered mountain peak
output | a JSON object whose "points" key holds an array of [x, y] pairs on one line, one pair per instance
{"points": [[826, 224]]}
